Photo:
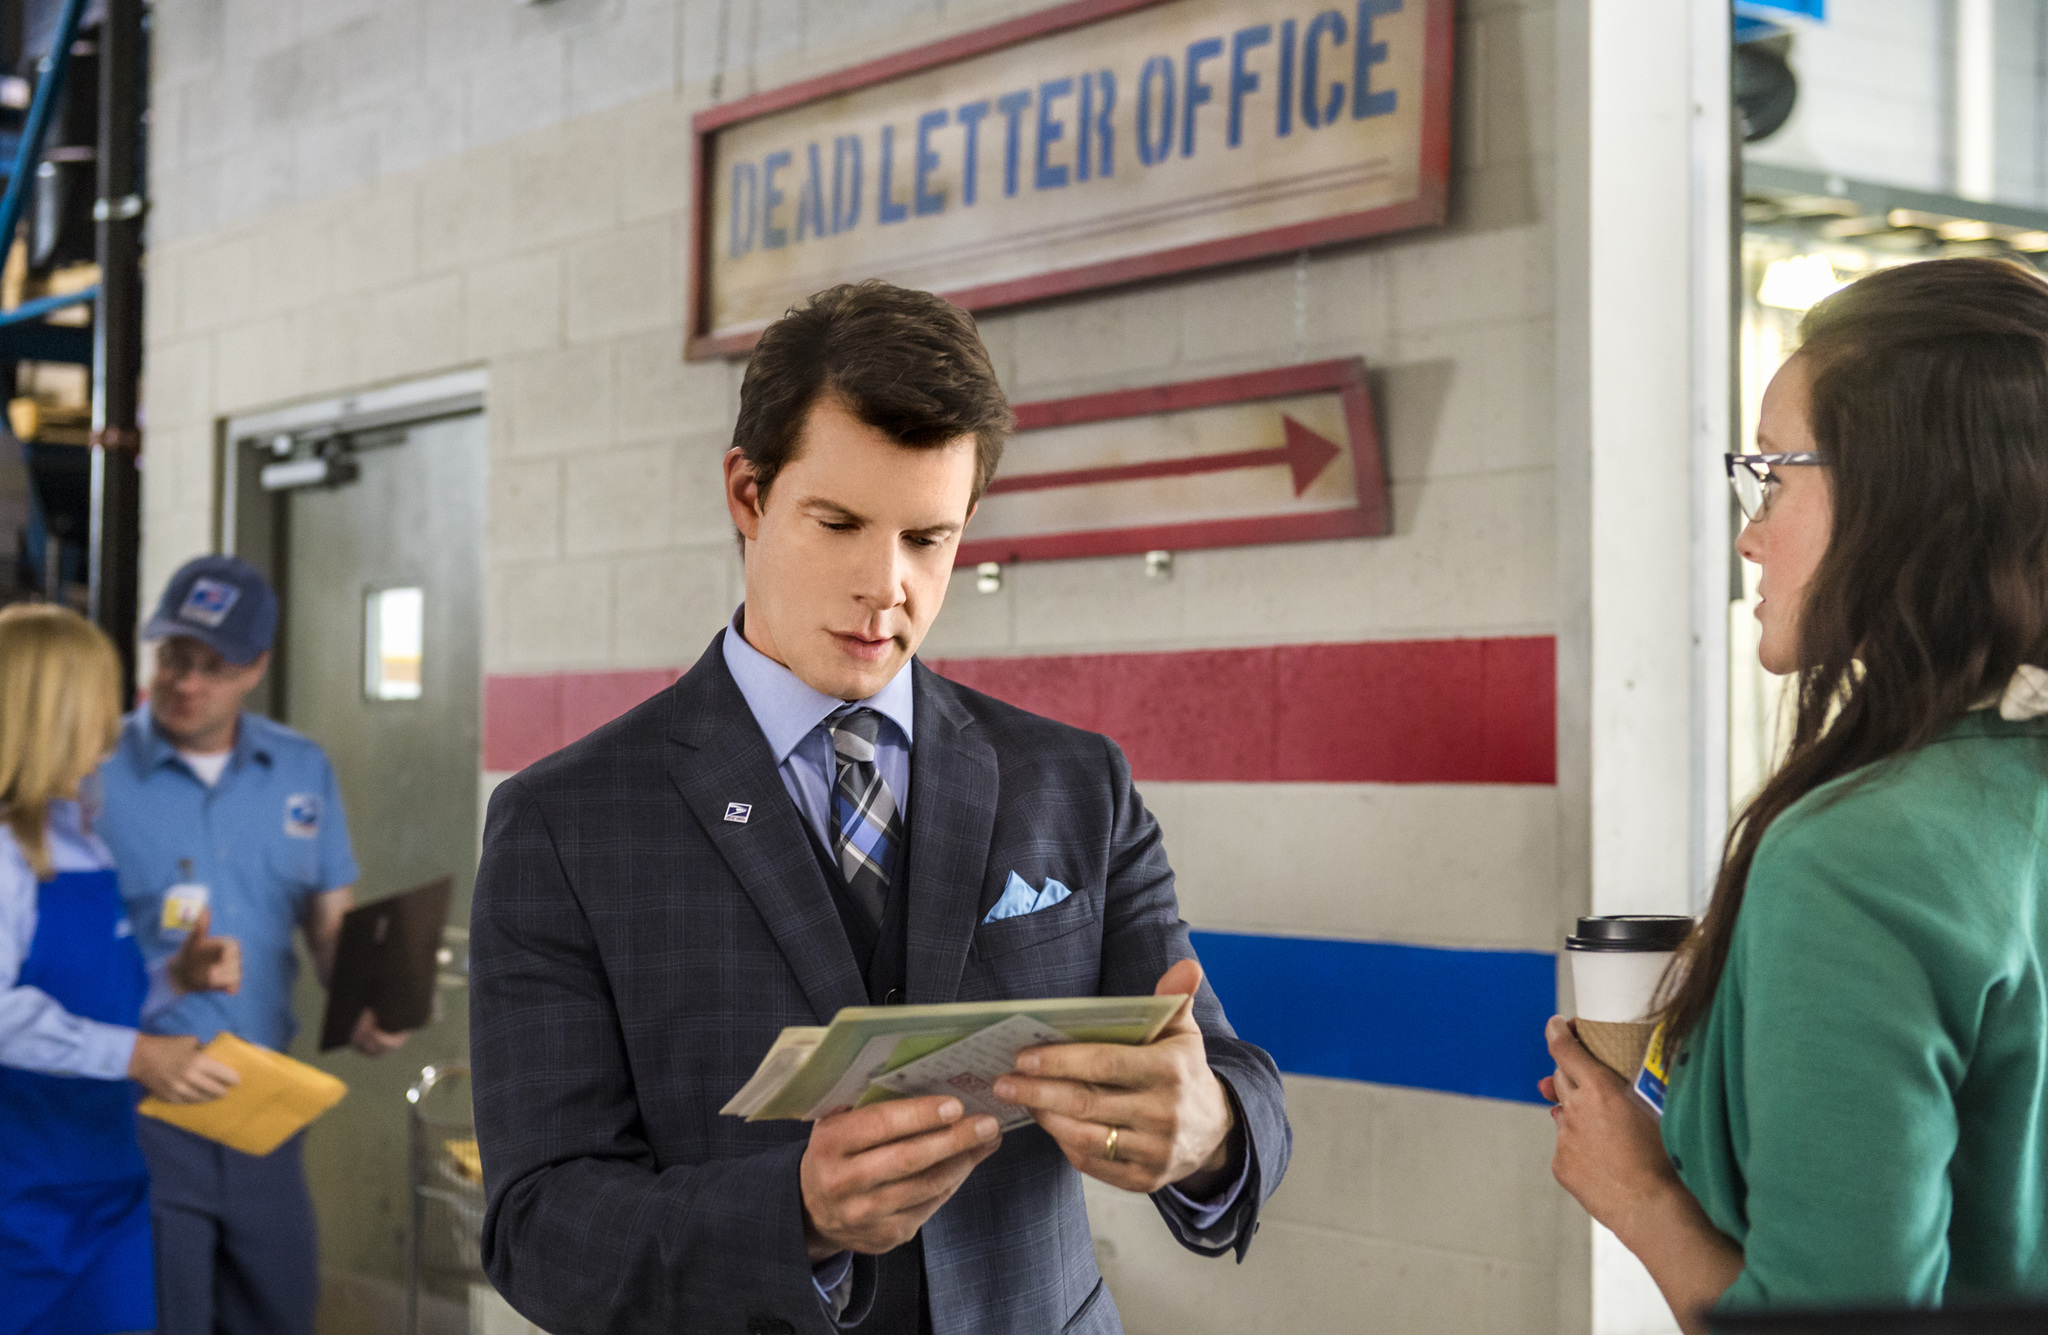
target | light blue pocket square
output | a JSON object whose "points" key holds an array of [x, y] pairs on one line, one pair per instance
{"points": [[1019, 899]]}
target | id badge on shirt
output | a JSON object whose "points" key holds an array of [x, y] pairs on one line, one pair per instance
{"points": [[1651, 1080], [183, 903]]}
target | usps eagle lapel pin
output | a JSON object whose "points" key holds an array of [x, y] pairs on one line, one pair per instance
{"points": [[739, 813]]}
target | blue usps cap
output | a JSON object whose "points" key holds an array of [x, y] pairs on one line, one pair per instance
{"points": [[221, 601]]}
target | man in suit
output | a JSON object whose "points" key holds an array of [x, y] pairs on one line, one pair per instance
{"points": [[811, 819]]}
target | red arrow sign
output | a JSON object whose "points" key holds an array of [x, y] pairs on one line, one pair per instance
{"points": [[1306, 454]]}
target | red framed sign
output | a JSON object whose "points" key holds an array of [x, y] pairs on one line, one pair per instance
{"points": [[1272, 456], [1093, 143]]}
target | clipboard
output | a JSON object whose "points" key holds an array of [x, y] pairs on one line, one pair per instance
{"points": [[385, 961]]}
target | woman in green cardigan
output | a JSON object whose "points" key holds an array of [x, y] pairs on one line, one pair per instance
{"points": [[1856, 1035]]}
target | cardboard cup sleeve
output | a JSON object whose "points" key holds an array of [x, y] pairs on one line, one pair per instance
{"points": [[1619, 1046]]}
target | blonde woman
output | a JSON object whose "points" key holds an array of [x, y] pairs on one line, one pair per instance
{"points": [[75, 1255]]}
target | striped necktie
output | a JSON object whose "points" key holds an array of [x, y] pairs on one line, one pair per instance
{"points": [[866, 830]]}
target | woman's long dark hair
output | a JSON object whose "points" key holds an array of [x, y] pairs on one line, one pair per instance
{"points": [[1929, 398]]}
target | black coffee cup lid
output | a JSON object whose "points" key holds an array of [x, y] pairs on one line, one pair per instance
{"points": [[1631, 931]]}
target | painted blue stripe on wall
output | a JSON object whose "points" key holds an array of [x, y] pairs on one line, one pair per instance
{"points": [[1459, 1021]]}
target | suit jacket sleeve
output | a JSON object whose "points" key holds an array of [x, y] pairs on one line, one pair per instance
{"points": [[582, 1232], [1143, 935]]}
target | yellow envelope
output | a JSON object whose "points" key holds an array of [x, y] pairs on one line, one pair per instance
{"points": [[277, 1097]]}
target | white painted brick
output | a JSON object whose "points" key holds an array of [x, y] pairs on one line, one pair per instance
{"points": [[659, 394], [178, 382], [186, 42], [1349, 304], [525, 509], [290, 85], [467, 210], [258, 363], [625, 281], [1464, 865], [1416, 1166], [1470, 555], [699, 487], [221, 283], [1244, 320], [1302, 1278], [1520, 86], [255, 179], [558, 401], [514, 306], [550, 615], [654, 154], [337, 152], [710, 39], [454, 33], [184, 204], [972, 623], [419, 328], [1472, 399], [335, 341], [873, 27], [622, 57], [1104, 602], [1106, 341], [1438, 281], [292, 264], [565, 180], [420, 125], [619, 500], [670, 604], [519, 91]]}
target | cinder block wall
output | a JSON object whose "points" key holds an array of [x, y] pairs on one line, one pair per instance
{"points": [[351, 192]]}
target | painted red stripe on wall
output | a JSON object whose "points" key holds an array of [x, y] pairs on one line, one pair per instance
{"points": [[1401, 711], [527, 717]]}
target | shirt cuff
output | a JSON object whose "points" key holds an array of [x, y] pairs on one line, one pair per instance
{"points": [[1201, 1216], [834, 1279], [162, 993]]}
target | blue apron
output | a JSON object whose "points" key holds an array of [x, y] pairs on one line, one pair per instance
{"points": [[75, 1255]]}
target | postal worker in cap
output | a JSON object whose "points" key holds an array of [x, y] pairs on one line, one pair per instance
{"points": [[215, 809]]}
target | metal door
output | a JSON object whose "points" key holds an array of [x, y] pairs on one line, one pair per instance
{"points": [[409, 771]]}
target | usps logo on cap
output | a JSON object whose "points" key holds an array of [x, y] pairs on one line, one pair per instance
{"points": [[302, 816], [209, 603]]}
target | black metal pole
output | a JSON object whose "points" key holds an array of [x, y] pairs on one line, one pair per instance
{"points": [[117, 336]]}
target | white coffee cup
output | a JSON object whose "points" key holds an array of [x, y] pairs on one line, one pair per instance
{"points": [[1617, 963]]}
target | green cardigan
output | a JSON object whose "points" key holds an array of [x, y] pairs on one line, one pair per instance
{"points": [[1864, 1108]]}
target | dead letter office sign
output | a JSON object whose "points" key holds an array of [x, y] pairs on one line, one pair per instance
{"points": [[1089, 144]]}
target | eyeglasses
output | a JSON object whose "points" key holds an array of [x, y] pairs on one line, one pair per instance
{"points": [[1755, 484]]}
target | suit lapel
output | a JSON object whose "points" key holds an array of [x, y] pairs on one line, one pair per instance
{"points": [[953, 790], [718, 757]]}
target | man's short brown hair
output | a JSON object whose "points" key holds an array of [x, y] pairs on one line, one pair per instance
{"points": [[907, 363]]}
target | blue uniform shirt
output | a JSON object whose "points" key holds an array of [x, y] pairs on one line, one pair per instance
{"points": [[263, 841]]}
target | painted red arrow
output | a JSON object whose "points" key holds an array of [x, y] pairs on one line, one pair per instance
{"points": [[1306, 454]]}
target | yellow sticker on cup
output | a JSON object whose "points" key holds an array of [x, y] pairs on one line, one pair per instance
{"points": [[1651, 1081]]}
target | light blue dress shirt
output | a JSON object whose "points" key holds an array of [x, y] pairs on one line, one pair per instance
{"points": [[790, 714], [36, 1033], [264, 840]]}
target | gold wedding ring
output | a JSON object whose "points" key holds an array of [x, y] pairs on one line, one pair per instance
{"points": [[1109, 1145]]}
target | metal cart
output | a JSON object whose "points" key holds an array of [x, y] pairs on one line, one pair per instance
{"points": [[447, 1185]]}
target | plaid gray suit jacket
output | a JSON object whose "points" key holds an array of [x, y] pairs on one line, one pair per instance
{"points": [[634, 954]]}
